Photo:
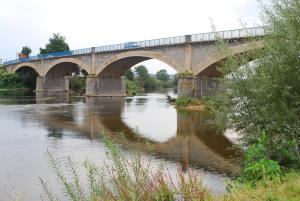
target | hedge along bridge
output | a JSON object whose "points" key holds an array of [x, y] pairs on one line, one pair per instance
{"points": [[105, 65]]}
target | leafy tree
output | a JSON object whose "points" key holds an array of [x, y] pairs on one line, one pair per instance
{"points": [[162, 75], [131, 87], [264, 95], [56, 44], [151, 84], [142, 76], [142, 72], [26, 50], [129, 75]]}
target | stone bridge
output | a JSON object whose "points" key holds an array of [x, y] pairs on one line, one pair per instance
{"points": [[105, 65]]}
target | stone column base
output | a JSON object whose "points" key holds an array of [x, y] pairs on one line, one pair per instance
{"points": [[197, 87], [106, 87], [39, 84], [186, 87]]}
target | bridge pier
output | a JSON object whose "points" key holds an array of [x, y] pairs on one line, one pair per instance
{"points": [[197, 87], [97, 86], [52, 84], [39, 84]]}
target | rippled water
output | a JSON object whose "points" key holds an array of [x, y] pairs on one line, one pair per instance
{"points": [[66, 126]]}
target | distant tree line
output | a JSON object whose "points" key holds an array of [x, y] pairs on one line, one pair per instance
{"points": [[139, 80]]}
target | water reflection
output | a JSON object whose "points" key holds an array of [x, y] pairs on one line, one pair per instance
{"points": [[184, 137], [76, 126]]}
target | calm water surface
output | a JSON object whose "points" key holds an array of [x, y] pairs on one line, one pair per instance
{"points": [[32, 124]]}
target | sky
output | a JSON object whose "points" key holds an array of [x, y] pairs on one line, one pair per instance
{"points": [[90, 23]]}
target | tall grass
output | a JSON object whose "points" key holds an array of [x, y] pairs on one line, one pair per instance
{"points": [[127, 178], [133, 178]]}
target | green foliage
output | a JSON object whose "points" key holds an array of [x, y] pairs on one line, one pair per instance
{"points": [[125, 178], [129, 75], [10, 80], [184, 74], [264, 94], [257, 166], [26, 50], [142, 72], [150, 84], [162, 75], [56, 44], [267, 190], [77, 84], [144, 82], [131, 87], [182, 101]]}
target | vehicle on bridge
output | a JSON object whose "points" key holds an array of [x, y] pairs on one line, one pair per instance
{"points": [[130, 45]]}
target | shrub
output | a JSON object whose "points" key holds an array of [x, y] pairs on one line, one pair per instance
{"points": [[10, 80], [182, 101], [184, 74], [131, 87], [77, 84], [257, 166]]}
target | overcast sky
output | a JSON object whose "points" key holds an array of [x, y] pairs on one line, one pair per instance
{"points": [[87, 23]]}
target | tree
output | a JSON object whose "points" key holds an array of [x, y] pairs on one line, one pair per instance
{"points": [[56, 44], [142, 76], [162, 75], [26, 50], [142, 72], [129, 75], [264, 95]]}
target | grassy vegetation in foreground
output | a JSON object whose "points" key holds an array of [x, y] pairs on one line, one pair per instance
{"points": [[288, 189], [134, 178]]}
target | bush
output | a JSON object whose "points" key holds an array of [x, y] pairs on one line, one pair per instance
{"points": [[257, 166], [182, 101], [10, 80], [131, 88], [77, 84], [185, 74]]}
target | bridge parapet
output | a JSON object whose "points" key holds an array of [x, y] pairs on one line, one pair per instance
{"points": [[177, 40]]}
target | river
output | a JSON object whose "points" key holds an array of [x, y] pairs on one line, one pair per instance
{"points": [[75, 126]]}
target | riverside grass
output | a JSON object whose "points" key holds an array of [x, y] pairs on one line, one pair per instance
{"points": [[133, 179], [125, 179]]}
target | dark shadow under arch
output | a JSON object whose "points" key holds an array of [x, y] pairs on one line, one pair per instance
{"points": [[28, 76]]}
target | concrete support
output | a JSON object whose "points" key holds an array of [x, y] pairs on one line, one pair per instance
{"points": [[93, 69], [186, 87], [66, 83], [52, 84], [206, 86], [39, 84], [90, 85], [197, 87], [96, 86]]}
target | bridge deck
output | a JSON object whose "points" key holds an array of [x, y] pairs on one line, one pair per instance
{"points": [[202, 37]]}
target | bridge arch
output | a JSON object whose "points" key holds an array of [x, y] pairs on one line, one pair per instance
{"points": [[206, 66], [27, 65], [66, 60], [117, 65]]}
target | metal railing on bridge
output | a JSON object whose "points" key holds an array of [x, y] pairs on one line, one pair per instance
{"points": [[202, 37]]}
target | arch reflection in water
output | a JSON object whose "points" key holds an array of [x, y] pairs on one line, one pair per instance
{"points": [[195, 141]]}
